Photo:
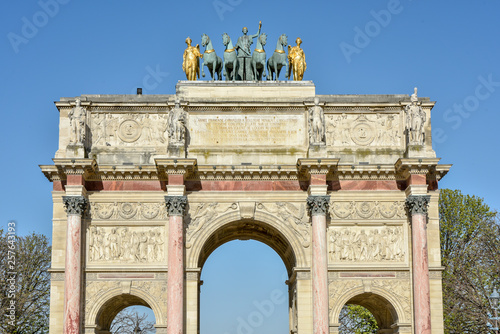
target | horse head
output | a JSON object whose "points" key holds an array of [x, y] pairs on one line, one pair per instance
{"points": [[284, 40], [205, 40], [263, 39], [225, 39]]}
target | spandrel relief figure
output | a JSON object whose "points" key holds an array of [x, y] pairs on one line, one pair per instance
{"points": [[177, 124], [415, 120], [316, 124], [111, 129], [77, 124], [98, 128], [147, 128], [190, 60]]}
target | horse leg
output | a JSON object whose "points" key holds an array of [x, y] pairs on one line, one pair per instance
{"points": [[270, 73], [234, 70], [219, 71]]}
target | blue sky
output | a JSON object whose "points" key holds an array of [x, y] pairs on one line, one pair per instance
{"points": [[450, 50]]}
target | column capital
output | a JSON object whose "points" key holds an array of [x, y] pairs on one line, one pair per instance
{"points": [[176, 205], [417, 204], [318, 205], [75, 205]]}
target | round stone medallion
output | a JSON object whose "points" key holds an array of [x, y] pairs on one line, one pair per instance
{"points": [[129, 131], [362, 134]]}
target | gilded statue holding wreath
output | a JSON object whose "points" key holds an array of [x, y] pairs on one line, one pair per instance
{"points": [[190, 60], [297, 60]]}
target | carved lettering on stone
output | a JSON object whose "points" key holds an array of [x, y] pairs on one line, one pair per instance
{"points": [[366, 244], [344, 210], [203, 214], [134, 244], [128, 211], [293, 216]]}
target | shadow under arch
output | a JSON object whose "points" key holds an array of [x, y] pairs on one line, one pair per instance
{"points": [[113, 302], [386, 309], [265, 228]]}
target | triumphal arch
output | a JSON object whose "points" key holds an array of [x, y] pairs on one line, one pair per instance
{"points": [[343, 187]]}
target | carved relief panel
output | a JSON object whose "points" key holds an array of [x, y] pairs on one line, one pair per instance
{"points": [[352, 210], [293, 215], [367, 244], [134, 129], [203, 214], [125, 244], [150, 211], [371, 130]]}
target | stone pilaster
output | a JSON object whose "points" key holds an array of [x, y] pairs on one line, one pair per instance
{"points": [[75, 207], [176, 206], [417, 209], [318, 208]]}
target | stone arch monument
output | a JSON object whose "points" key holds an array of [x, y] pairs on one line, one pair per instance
{"points": [[343, 187]]}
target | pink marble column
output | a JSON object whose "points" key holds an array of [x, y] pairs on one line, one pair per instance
{"points": [[175, 284], [75, 207], [318, 206], [417, 207]]}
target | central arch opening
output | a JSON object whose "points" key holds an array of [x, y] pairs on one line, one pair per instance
{"points": [[244, 290], [245, 267]]}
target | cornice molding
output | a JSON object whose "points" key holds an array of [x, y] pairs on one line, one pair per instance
{"points": [[190, 169], [309, 166], [421, 166]]}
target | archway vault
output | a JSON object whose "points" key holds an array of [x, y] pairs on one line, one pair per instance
{"points": [[265, 228], [385, 307], [114, 301]]}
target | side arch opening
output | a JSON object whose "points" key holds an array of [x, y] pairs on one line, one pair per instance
{"points": [[380, 310]]}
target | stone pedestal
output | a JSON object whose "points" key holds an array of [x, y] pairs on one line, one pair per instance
{"points": [[75, 151], [75, 207], [417, 208], [318, 207], [176, 150], [175, 277]]}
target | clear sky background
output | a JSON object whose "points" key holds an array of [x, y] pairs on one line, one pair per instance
{"points": [[450, 50]]}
